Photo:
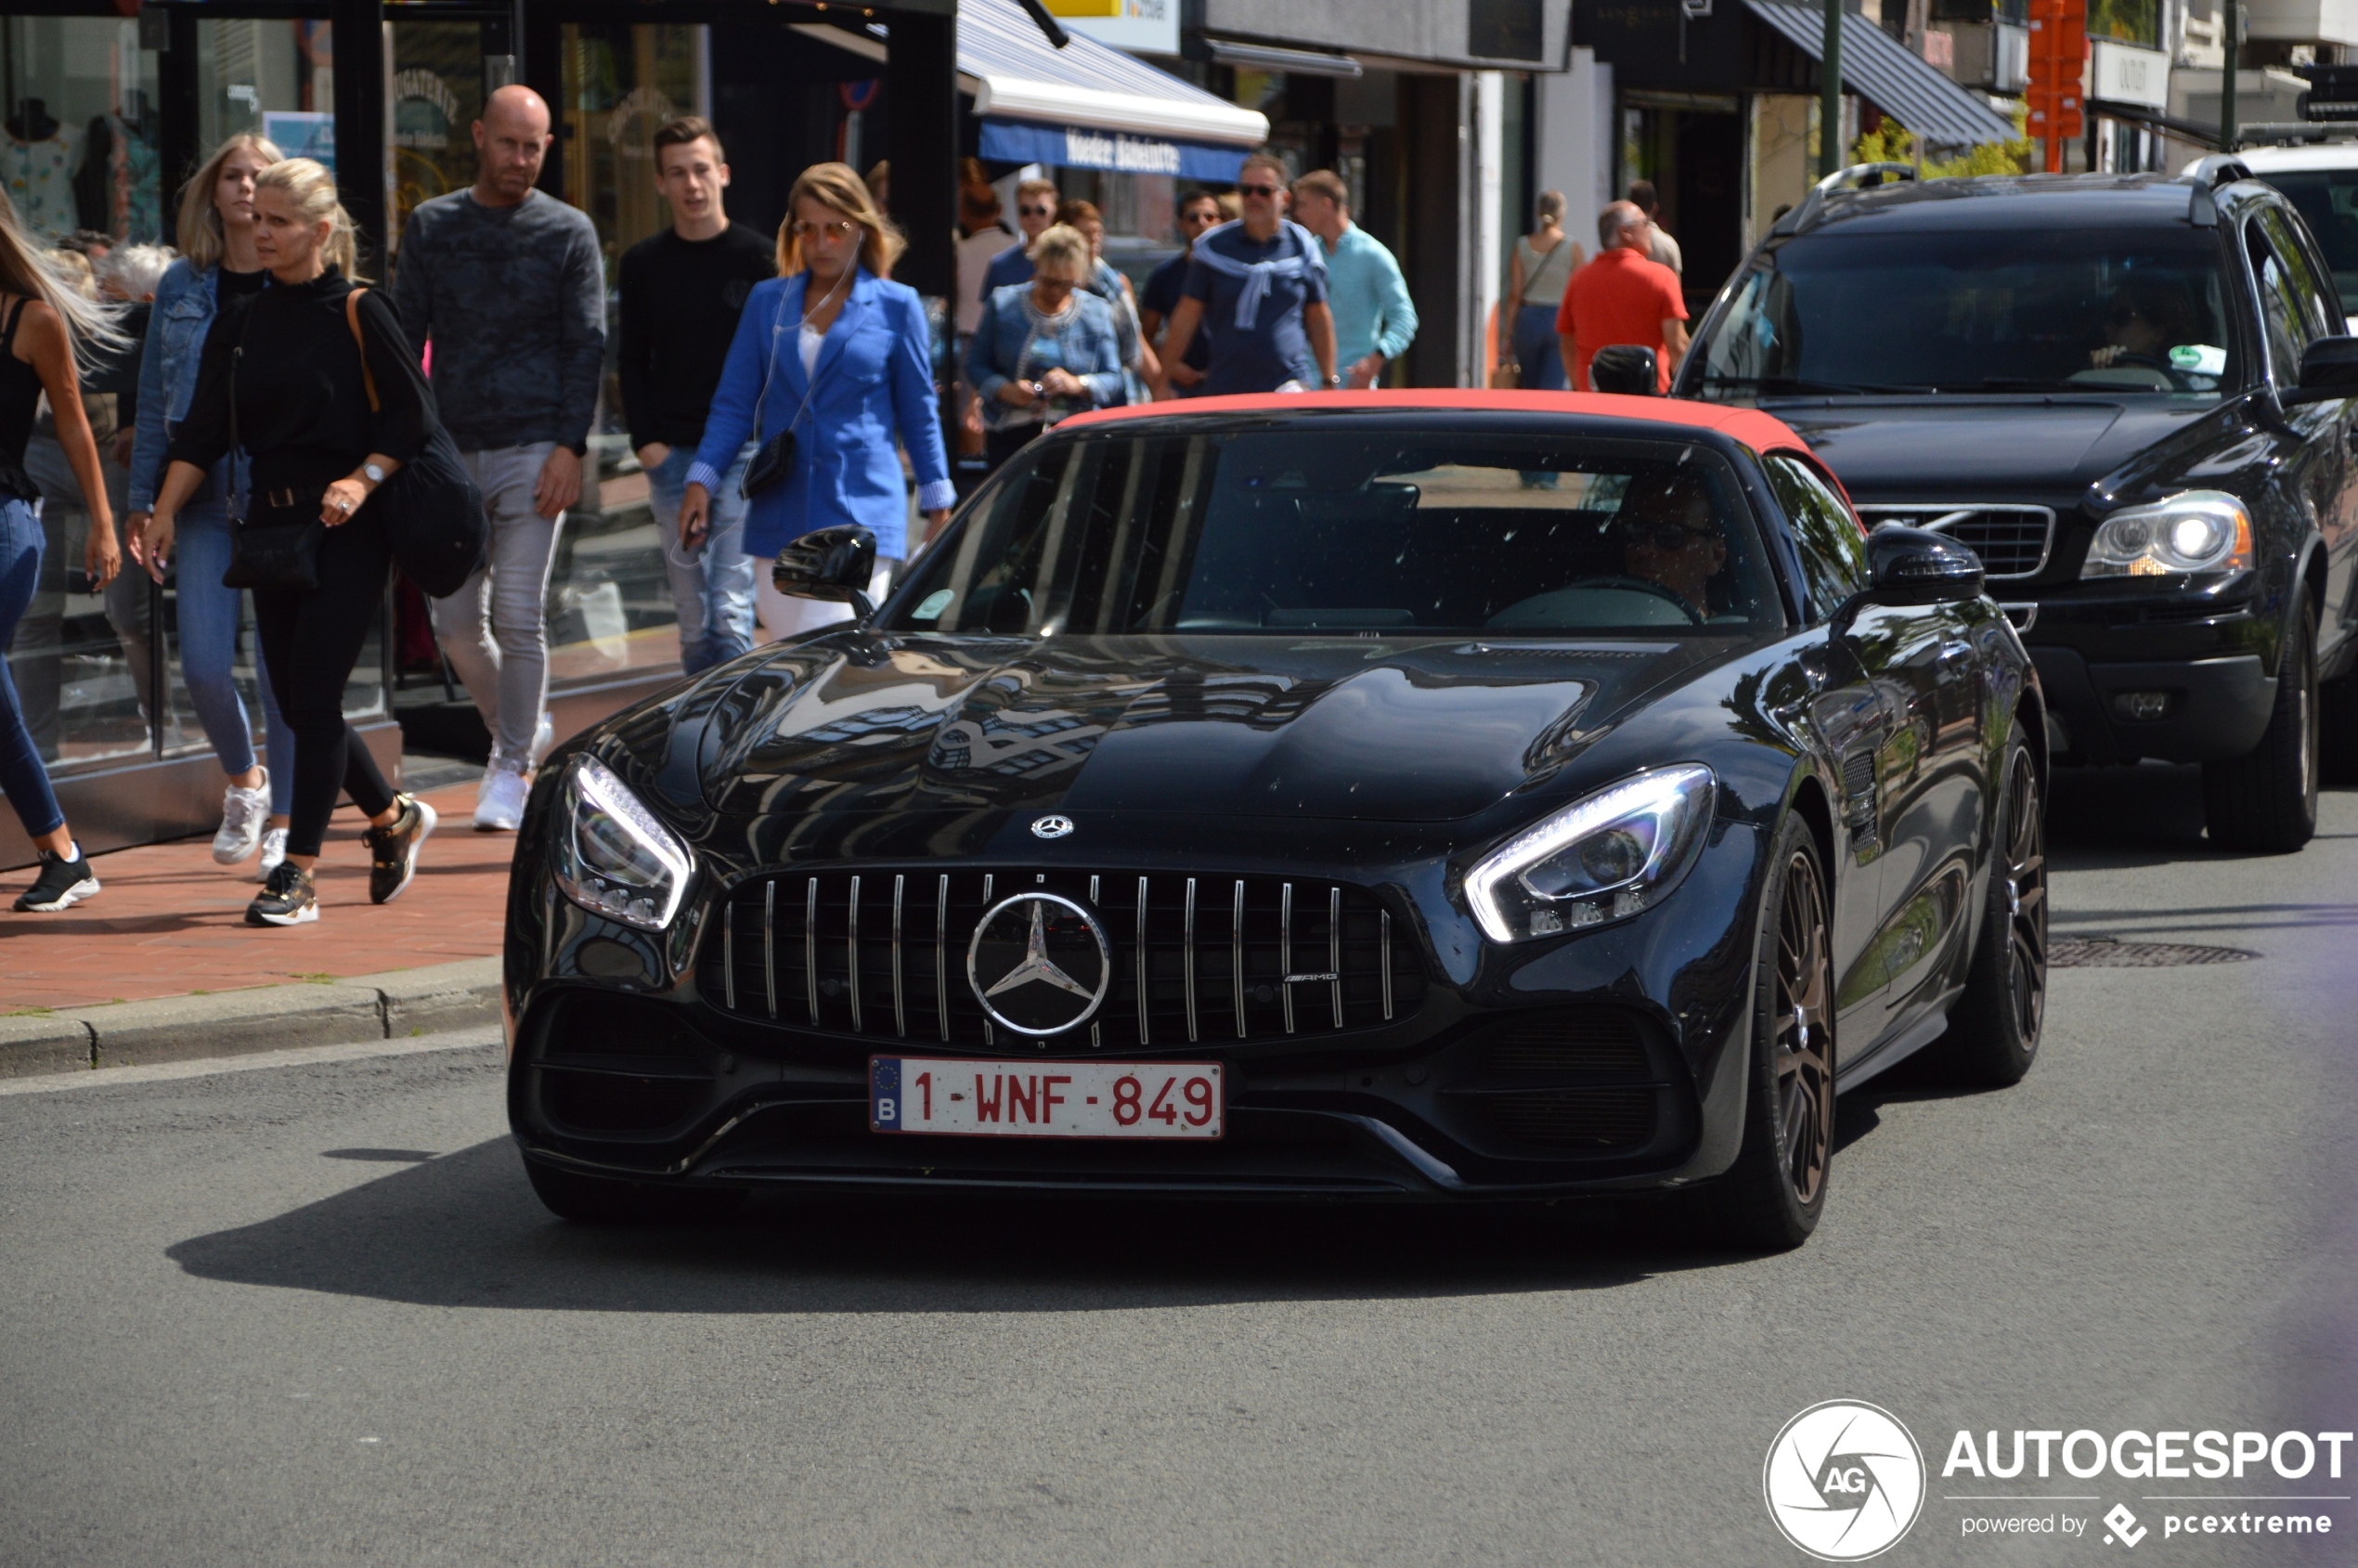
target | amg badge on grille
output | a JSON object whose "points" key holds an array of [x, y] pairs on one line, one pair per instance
{"points": [[1039, 964], [1051, 827]]}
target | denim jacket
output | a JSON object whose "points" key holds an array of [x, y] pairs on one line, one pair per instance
{"points": [[176, 329], [1006, 346]]}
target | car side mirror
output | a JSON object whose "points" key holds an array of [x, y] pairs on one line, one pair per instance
{"points": [[2328, 371], [1918, 566], [1627, 368], [835, 565]]}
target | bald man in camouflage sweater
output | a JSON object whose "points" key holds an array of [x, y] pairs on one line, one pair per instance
{"points": [[509, 283]]}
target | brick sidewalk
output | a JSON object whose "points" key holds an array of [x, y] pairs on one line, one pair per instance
{"points": [[169, 922]]}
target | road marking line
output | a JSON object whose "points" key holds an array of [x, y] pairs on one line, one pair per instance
{"points": [[304, 1056]]}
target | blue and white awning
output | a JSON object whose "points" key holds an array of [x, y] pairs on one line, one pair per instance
{"points": [[1085, 106]]}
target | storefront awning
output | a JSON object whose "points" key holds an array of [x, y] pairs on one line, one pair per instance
{"points": [[1085, 106], [1880, 69]]}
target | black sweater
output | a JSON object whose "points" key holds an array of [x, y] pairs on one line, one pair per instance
{"points": [[681, 301], [303, 408]]}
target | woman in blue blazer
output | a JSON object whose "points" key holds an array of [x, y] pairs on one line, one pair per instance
{"points": [[839, 353]]}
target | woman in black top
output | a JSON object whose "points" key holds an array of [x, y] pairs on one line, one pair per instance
{"points": [[317, 450]]}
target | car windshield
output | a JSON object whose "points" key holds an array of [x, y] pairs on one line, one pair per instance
{"points": [[1981, 310], [1302, 529], [2329, 200]]}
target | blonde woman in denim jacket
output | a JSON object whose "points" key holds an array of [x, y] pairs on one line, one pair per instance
{"points": [[218, 264]]}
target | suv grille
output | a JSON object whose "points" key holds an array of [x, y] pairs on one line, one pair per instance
{"points": [[2012, 541], [883, 953]]}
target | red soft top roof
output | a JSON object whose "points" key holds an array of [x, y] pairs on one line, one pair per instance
{"points": [[1760, 431]]}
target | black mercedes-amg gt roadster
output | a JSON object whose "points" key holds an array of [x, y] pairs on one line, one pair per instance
{"points": [[1401, 795]]}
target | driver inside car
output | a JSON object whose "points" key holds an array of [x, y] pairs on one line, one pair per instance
{"points": [[1669, 536], [2141, 327]]}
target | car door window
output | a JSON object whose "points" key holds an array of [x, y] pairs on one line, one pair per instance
{"points": [[2282, 321], [1833, 549], [2311, 287]]}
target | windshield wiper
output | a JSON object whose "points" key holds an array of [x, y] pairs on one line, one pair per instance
{"points": [[2045, 384], [1802, 387]]}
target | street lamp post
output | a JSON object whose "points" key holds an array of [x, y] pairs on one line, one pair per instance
{"points": [[1829, 93]]}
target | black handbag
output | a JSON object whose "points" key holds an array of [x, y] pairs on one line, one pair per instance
{"points": [[430, 509], [276, 556]]}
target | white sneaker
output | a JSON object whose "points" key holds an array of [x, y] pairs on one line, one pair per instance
{"points": [[273, 849], [244, 813], [500, 800]]}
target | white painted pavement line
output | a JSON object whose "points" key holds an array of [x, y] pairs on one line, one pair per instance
{"points": [[307, 1055]]}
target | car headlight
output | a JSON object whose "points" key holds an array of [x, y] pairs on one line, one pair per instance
{"points": [[613, 857], [2198, 531], [1614, 854]]}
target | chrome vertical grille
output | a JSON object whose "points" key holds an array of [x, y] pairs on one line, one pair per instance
{"points": [[1180, 972], [2012, 541]]}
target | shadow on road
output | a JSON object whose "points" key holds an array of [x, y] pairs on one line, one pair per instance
{"points": [[464, 1230]]}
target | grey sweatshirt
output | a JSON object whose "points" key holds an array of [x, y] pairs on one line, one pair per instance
{"points": [[514, 299]]}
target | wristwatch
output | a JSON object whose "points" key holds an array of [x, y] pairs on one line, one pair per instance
{"points": [[375, 475], [1333, 381]]}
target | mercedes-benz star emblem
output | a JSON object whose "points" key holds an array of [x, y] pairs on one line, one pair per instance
{"points": [[1039, 964], [1051, 827]]}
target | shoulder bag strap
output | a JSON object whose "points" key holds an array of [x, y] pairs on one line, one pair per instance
{"points": [[352, 319], [1544, 262]]}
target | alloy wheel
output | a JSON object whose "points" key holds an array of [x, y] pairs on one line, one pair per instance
{"points": [[1805, 1038], [2027, 900]]}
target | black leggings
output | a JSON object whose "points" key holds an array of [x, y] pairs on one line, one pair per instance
{"points": [[310, 641]]}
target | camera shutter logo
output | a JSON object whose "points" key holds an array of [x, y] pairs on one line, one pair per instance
{"points": [[1844, 1481]]}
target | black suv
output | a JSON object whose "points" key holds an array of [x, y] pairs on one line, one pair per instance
{"points": [[2131, 396]]}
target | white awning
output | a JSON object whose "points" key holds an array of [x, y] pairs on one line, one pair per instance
{"points": [[1014, 73]]}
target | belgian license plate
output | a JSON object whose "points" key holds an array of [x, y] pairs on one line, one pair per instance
{"points": [[1035, 1099]]}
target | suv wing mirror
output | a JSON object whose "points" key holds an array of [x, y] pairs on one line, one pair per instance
{"points": [[835, 565], [2328, 371]]}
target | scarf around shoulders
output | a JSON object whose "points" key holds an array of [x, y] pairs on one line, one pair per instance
{"points": [[1258, 276]]}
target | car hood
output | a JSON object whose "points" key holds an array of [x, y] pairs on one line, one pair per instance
{"points": [[1397, 730], [1925, 449]]}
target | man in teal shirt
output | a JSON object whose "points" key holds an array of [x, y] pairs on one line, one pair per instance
{"points": [[1374, 319]]}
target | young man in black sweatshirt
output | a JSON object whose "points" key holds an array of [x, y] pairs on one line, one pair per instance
{"points": [[682, 293]]}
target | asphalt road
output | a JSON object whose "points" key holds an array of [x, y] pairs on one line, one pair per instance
{"points": [[313, 1314]]}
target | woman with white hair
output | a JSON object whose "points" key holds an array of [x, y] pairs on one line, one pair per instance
{"points": [[218, 267], [45, 323], [1044, 349]]}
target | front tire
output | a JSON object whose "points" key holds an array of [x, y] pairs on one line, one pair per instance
{"points": [[2268, 801], [1770, 1199], [607, 1200], [1993, 1034]]}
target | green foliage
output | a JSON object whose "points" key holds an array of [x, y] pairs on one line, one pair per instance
{"points": [[1893, 143]]}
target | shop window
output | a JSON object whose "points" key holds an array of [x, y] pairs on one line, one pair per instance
{"points": [[437, 97], [272, 77], [79, 96]]}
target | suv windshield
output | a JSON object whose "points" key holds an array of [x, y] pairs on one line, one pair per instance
{"points": [[1980, 310], [1301, 529], [2328, 199]]}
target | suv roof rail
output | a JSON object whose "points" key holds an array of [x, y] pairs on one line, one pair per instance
{"points": [[2217, 169], [1858, 176]]}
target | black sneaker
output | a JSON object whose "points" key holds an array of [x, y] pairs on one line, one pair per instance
{"points": [[62, 885], [287, 898], [393, 851]]}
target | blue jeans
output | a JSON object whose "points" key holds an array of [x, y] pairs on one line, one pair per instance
{"points": [[22, 778], [1537, 350], [209, 616], [712, 589]]}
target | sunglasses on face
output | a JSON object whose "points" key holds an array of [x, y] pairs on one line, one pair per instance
{"points": [[1257, 190], [832, 229], [1037, 211], [1664, 537]]}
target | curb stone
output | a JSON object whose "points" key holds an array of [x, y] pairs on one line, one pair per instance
{"points": [[394, 1006]]}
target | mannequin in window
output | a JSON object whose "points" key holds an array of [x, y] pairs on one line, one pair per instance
{"points": [[116, 186], [36, 163]]}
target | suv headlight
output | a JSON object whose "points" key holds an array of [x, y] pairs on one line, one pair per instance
{"points": [[2199, 531], [1614, 854], [613, 857]]}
